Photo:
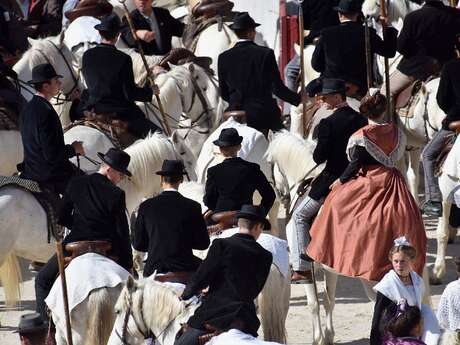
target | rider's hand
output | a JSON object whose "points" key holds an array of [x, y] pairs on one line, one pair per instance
{"points": [[78, 147], [145, 35], [157, 69]]}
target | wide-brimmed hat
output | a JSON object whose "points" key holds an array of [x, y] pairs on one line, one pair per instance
{"points": [[330, 86], [116, 159], [228, 137], [349, 6], [43, 72], [243, 21], [314, 87], [31, 323], [110, 23], [93, 8], [172, 168], [256, 213]]}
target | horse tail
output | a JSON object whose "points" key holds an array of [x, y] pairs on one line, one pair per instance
{"points": [[10, 276], [274, 305], [101, 317]]}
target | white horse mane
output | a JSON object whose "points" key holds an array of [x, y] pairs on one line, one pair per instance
{"points": [[292, 153]]}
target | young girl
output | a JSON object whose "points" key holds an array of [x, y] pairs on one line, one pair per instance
{"points": [[405, 328], [402, 283]]}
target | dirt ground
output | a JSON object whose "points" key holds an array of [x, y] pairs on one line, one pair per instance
{"points": [[352, 315]]}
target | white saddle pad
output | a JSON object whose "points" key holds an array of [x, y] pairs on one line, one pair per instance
{"points": [[84, 274]]}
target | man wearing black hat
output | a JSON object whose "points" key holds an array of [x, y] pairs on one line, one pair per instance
{"points": [[340, 51], [93, 209], [249, 76], [154, 26], [108, 72], [46, 157], [169, 226], [32, 330], [232, 183], [333, 134], [235, 270]]}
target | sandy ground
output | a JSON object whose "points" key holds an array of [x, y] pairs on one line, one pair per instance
{"points": [[352, 316]]}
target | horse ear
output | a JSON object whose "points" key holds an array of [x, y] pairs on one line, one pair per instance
{"points": [[131, 284]]}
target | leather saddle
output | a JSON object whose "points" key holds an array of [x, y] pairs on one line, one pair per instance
{"points": [[212, 8], [448, 144], [175, 277], [180, 56], [221, 221], [406, 98], [83, 247], [238, 115]]}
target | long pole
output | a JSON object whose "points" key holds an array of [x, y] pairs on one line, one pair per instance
{"points": [[368, 52], [383, 13], [302, 64], [60, 259], [149, 72]]}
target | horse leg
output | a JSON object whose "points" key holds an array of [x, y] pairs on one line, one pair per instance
{"points": [[442, 235], [10, 277], [368, 289], [426, 298], [313, 304], [329, 303], [452, 234]]}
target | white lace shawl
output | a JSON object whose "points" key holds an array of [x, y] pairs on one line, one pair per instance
{"points": [[376, 152], [449, 307]]}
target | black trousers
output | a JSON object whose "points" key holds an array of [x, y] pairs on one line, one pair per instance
{"points": [[43, 284], [189, 337]]}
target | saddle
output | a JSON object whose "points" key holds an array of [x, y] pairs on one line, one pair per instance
{"points": [[221, 221], [47, 199], [447, 147], [109, 124], [211, 332], [83, 247], [407, 98], [212, 8], [175, 277], [238, 115], [180, 56]]}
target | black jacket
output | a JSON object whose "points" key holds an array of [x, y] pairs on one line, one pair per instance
{"points": [[340, 52], [232, 183], [333, 134], [94, 209], [167, 25], [108, 73], [168, 227], [448, 95], [429, 32], [384, 310], [318, 15], [235, 270], [46, 157], [248, 77]]}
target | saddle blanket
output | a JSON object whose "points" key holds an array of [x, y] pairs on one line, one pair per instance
{"points": [[27, 185], [84, 274], [275, 245], [235, 336]]}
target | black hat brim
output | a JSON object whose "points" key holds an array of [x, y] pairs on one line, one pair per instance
{"points": [[36, 81], [223, 143], [345, 11], [171, 173], [251, 216], [102, 157], [331, 91], [238, 27], [103, 28], [31, 329]]}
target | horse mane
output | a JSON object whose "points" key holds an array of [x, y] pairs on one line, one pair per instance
{"points": [[292, 153], [147, 156]]}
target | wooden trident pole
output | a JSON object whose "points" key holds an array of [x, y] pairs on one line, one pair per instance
{"points": [[60, 259], [302, 63], [150, 77], [383, 13]]}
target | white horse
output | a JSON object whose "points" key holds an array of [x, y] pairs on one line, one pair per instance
{"points": [[293, 155], [449, 182], [162, 320], [91, 303], [25, 234]]}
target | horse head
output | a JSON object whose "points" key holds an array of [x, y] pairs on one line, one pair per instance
{"points": [[185, 154]]}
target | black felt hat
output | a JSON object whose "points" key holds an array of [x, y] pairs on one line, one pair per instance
{"points": [[349, 6], [31, 323], [243, 21], [116, 159], [256, 213], [228, 137], [330, 86], [110, 23], [172, 168], [314, 87], [43, 72]]}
